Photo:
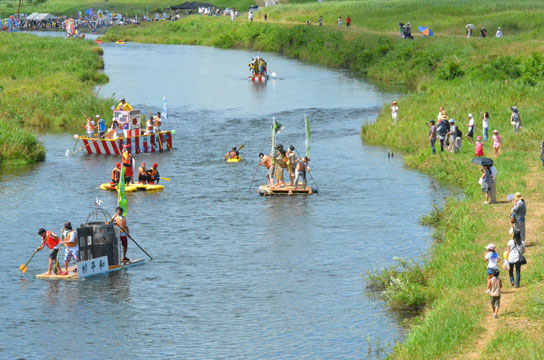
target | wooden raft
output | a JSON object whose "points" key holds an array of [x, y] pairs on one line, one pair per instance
{"points": [[72, 275], [285, 190]]}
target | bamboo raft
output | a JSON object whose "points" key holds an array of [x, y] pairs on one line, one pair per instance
{"points": [[72, 274], [285, 190]]}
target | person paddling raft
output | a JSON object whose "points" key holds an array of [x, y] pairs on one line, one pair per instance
{"points": [[232, 154], [52, 241], [121, 221], [123, 105], [71, 247], [153, 175], [116, 174]]}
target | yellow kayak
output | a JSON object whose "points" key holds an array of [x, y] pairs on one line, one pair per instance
{"points": [[149, 187], [128, 188], [234, 160]]}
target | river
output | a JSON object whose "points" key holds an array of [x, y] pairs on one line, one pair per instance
{"points": [[235, 275]]}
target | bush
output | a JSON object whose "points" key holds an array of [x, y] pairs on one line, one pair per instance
{"points": [[449, 71]]}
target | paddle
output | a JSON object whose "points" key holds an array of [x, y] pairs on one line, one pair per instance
{"points": [[167, 179], [309, 173], [130, 237], [23, 267], [252, 180]]}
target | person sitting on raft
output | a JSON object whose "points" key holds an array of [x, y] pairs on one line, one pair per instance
{"points": [[123, 105], [52, 241], [142, 174], [232, 154], [153, 175], [116, 174]]}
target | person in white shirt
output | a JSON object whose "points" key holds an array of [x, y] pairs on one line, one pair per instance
{"points": [[485, 126], [516, 248], [499, 33], [492, 259], [470, 132], [394, 112]]}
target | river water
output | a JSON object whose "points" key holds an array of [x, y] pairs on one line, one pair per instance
{"points": [[235, 275]]}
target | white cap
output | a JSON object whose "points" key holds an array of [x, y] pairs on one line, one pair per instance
{"points": [[490, 247], [98, 116]]}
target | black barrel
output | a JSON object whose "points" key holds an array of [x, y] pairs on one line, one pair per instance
{"points": [[98, 239]]}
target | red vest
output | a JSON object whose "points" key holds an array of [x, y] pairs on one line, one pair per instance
{"points": [[50, 241]]}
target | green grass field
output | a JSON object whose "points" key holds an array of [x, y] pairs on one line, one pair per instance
{"points": [[45, 83]]}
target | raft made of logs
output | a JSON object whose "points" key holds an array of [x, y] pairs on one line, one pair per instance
{"points": [[285, 190]]}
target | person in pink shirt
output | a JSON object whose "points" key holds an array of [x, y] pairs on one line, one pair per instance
{"points": [[496, 142], [478, 147]]}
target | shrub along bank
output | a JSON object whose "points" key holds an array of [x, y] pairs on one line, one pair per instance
{"points": [[465, 76], [45, 83]]}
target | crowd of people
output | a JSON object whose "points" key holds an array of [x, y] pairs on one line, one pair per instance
{"points": [[448, 131], [513, 256], [281, 160], [97, 128], [145, 176], [483, 31]]}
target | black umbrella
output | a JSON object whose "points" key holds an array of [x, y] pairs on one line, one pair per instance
{"points": [[482, 161]]}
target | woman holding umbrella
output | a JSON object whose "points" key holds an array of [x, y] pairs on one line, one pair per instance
{"points": [[469, 28]]}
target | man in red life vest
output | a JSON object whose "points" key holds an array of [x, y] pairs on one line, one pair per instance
{"points": [[52, 241], [128, 163]]}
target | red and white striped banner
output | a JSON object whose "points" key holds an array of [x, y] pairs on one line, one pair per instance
{"points": [[137, 143]]}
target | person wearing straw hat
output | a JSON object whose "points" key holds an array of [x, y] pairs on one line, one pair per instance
{"points": [[394, 112], [517, 216]]}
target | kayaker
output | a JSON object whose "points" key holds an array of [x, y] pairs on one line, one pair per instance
{"points": [[142, 174], [52, 241], [71, 247], [121, 221], [123, 105], [153, 175], [157, 121], [116, 174], [232, 154], [302, 167], [267, 163], [128, 164], [291, 163]]}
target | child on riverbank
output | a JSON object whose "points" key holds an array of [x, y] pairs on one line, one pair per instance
{"points": [[494, 286], [478, 147], [496, 142], [492, 259]]}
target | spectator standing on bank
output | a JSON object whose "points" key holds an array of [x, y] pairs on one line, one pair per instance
{"points": [[486, 182], [470, 133], [432, 136], [442, 131], [516, 249], [478, 147], [498, 35], [265, 18], [483, 32], [348, 22], [493, 190], [485, 126], [394, 112], [496, 142], [515, 119], [339, 21], [320, 21], [517, 216], [494, 286]]}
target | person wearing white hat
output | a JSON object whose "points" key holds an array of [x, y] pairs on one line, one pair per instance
{"points": [[492, 259], [499, 33], [470, 133]]}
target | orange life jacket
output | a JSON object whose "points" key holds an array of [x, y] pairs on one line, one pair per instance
{"points": [[51, 241], [126, 160], [115, 174]]}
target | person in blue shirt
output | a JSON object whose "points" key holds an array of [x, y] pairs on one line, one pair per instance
{"points": [[101, 126]]}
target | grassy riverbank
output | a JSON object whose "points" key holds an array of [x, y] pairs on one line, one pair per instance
{"points": [[465, 76], [45, 83]]}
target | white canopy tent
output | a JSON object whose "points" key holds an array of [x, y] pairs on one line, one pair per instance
{"points": [[41, 17]]}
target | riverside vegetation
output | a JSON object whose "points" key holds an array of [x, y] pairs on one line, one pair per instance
{"points": [[45, 83], [465, 76]]}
